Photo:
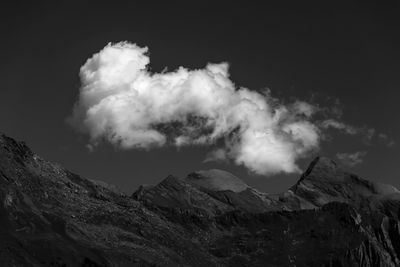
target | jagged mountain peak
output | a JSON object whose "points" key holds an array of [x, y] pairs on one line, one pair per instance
{"points": [[216, 180], [17, 149], [321, 168], [325, 181], [52, 217]]}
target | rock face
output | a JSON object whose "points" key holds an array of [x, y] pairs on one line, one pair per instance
{"points": [[52, 217]]}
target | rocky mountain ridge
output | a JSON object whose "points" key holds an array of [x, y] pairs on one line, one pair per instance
{"points": [[52, 217]]}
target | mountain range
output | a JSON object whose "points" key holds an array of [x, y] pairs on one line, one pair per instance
{"points": [[50, 216]]}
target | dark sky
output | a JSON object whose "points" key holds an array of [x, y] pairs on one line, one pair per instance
{"points": [[349, 52]]}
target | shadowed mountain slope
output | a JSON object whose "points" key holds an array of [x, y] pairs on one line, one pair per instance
{"points": [[52, 217]]}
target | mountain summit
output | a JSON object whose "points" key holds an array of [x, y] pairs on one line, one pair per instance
{"points": [[324, 181], [52, 217], [216, 180]]}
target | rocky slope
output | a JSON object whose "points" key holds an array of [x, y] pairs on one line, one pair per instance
{"points": [[52, 217]]}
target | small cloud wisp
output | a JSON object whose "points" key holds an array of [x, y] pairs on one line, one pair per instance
{"points": [[351, 159]]}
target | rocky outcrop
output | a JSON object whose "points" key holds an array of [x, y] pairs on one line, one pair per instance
{"points": [[52, 217]]}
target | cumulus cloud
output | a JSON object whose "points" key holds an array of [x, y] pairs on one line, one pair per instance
{"points": [[351, 159], [123, 103]]}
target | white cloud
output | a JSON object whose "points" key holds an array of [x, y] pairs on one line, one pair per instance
{"points": [[217, 155], [122, 102], [301, 107], [351, 159]]}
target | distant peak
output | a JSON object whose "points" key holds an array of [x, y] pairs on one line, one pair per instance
{"points": [[320, 163], [216, 180], [321, 168], [170, 179]]}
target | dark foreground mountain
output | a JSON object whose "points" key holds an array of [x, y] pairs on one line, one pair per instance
{"points": [[52, 217]]}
